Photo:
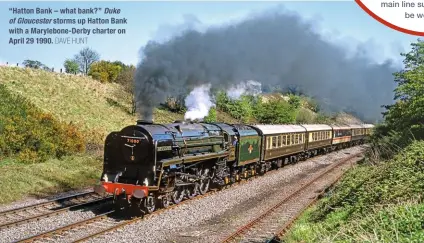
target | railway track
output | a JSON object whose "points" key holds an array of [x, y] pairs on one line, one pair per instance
{"points": [[18, 216], [274, 222], [96, 226]]}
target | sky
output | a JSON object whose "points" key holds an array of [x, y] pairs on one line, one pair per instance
{"points": [[343, 23]]}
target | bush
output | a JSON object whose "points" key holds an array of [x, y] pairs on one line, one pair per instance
{"points": [[32, 135], [175, 104], [211, 117], [275, 112], [241, 109], [305, 116], [104, 71]]}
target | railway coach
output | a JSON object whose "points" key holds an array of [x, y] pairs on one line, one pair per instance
{"points": [[342, 136], [358, 134], [281, 144]]}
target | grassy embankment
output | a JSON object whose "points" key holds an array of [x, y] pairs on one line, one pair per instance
{"points": [[380, 202]]}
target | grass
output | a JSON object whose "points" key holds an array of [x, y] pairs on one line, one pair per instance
{"points": [[80, 100], [71, 172], [97, 108], [389, 223]]}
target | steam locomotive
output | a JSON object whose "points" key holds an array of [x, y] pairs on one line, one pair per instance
{"points": [[151, 165]]}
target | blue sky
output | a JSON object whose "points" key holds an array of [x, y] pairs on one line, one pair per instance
{"points": [[343, 23]]}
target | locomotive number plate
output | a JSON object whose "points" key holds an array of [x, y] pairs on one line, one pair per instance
{"points": [[131, 140]]}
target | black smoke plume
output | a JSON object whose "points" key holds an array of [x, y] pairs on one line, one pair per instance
{"points": [[274, 48]]}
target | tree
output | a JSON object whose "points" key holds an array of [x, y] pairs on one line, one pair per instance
{"points": [[36, 65], [126, 79], [406, 115], [71, 66], [104, 71], [33, 64], [85, 58], [295, 101]]}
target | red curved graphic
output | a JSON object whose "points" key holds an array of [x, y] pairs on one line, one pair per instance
{"points": [[395, 27]]}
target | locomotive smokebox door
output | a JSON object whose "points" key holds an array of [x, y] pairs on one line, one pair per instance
{"points": [[135, 147]]}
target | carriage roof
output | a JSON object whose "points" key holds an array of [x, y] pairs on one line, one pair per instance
{"points": [[278, 129], [317, 127], [368, 125], [341, 127]]}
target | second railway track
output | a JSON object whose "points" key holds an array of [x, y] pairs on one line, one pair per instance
{"points": [[86, 229], [275, 220]]}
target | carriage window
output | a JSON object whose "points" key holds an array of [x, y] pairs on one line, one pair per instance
{"points": [[279, 141], [301, 138], [296, 139], [274, 142], [268, 142], [288, 140], [284, 140]]}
